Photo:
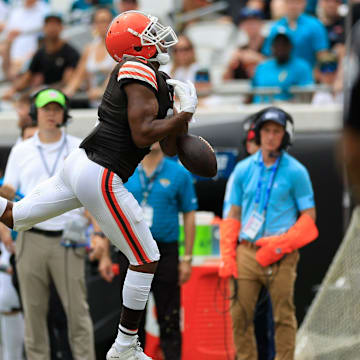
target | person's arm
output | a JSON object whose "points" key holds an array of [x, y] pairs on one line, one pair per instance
{"points": [[142, 110], [300, 234], [310, 212], [7, 191], [303, 232], [19, 84], [321, 40], [189, 232], [230, 226], [234, 213], [6, 239], [12, 174], [168, 144], [105, 267], [99, 242]]}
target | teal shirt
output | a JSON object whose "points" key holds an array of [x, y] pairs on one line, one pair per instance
{"points": [[309, 37], [172, 192], [291, 192], [296, 72]]}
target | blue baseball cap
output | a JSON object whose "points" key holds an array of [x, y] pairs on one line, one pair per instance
{"points": [[273, 114]]}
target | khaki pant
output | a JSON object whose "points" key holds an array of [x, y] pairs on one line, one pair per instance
{"points": [[40, 259], [279, 279]]}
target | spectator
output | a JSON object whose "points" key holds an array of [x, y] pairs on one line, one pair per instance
{"points": [[311, 7], [95, 63], [56, 320], [162, 187], [334, 23], [272, 215], [12, 321], [307, 34], [245, 59], [326, 70], [53, 64], [28, 131], [41, 254], [126, 5], [22, 108], [22, 30], [283, 71], [278, 9], [4, 10], [90, 4], [263, 321], [185, 67]]}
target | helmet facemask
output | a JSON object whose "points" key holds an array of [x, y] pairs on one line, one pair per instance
{"points": [[156, 34]]}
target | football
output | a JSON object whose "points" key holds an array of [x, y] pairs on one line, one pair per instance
{"points": [[197, 155]]}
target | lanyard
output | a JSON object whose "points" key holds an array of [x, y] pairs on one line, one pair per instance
{"points": [[146, 188], [51, 173], [270, 182]]}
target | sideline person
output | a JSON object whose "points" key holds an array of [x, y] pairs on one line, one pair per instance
{"points": [[272, 215]]}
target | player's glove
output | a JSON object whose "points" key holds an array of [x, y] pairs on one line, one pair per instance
{"points": [[186, 93]]}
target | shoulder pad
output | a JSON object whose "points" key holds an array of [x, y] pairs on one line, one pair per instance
{"points": [[139, 71]]}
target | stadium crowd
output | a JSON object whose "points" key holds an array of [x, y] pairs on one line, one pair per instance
{"points": [[277, 48], [274, 51]]}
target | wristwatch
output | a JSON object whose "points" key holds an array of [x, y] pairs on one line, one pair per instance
{"points": [[187, 258], [99, 233]]}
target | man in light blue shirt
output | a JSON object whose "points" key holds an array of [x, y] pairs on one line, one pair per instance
{"points": [[282, 71], [272, 209], [307, 33]]}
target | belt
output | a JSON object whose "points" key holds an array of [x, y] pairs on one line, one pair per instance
{"points": [[248, 244], [47, 233]]}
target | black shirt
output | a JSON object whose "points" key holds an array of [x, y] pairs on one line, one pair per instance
{"points": [[110, 144], [52, 66], [336, 32]]}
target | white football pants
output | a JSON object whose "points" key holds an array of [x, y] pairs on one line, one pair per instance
{"points": [[81, 182]]}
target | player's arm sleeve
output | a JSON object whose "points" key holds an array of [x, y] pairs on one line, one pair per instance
{"points": [[133, 71], [187, 197], [303, 190], [12, 170], [321, 40]]}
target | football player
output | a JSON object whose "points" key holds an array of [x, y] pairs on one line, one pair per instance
{"points": [[136, 111]]}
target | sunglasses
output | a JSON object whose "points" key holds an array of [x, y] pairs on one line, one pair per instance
{"points": [[328, 67]]}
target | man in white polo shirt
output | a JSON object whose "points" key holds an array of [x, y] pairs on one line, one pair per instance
{"points": [[44, 253]]}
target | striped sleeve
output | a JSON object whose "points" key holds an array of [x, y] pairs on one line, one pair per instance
{"points": [[138, 71]]}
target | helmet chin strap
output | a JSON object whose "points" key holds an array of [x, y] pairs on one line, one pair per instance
{"points": [[161, 57]]}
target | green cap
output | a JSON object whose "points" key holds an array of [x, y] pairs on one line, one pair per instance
{"points": [[48, 96]]}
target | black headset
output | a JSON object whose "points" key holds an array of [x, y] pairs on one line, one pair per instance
{"points": [[265, 115], [33, 108]]}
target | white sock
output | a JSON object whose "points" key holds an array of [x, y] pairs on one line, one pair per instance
{"points": [[3, 204], [12, 332], [136, 291]]}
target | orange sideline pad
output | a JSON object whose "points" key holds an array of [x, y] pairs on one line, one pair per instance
{"points": [[206, 321]]}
